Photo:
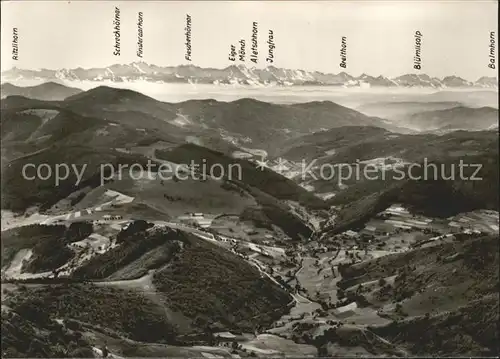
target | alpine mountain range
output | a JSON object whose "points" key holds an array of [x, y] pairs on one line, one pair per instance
{"points": [[241, 75]]}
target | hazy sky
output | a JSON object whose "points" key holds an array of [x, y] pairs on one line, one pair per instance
{"points": [[380, 34]]}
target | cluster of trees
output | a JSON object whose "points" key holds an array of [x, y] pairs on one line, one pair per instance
{"points": [[471, 330], [49, 255], [127, 312], [172, 198], [134, 228], [134, 243], [210, 284], [481, 254], [16, 239], [231, 186], [49, 244], [272, 213], [78, 231], [30, 332]]}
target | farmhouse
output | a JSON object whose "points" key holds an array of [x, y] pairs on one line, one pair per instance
{"points": [[346, 311]]}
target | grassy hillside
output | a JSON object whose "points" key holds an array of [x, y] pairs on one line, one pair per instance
{"points": [[20, 193], [266, 181]]}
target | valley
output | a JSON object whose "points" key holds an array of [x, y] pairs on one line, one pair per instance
{"points": [[264, 264]]}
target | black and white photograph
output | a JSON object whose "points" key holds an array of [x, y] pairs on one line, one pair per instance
{"points": [[237, 179]]}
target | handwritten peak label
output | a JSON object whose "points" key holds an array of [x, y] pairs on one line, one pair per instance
{"points": [[116, 31], [187, 32], [15, 44], [417, 60], [254, 53], [272, 46], [232, 53], [140, 34], [491, 65], [343, 52], [241, 52]]}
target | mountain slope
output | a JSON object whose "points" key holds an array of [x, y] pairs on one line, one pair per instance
{"points": [[433, 195], [49, 91], [266, 124], [246, 122], [354, 143], [195, 287], [456, 118], [394, 110]]}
